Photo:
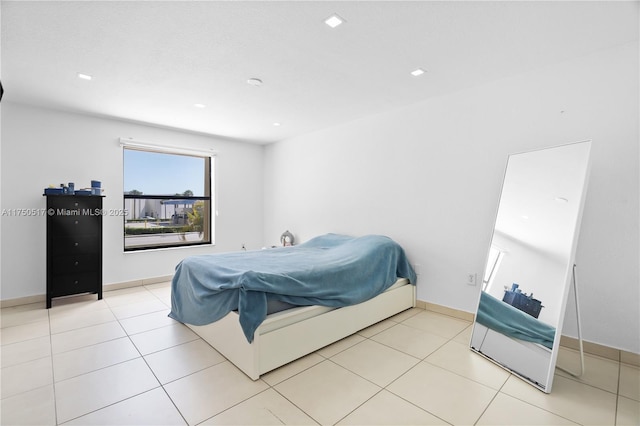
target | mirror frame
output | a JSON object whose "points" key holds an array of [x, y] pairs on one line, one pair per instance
{"points": [[567, 276]]}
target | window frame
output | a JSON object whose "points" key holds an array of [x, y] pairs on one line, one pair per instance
{"points": [[209, 190], [493, 264]]}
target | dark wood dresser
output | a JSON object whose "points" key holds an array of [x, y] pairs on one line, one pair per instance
{"points": [[74, 245]]}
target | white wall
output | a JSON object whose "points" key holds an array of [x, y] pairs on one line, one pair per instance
{"points": [[42, 147], [429, 176]]}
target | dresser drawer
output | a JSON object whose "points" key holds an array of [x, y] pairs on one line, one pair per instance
{"points": [[73, 225], [62, 264], [65, 285], [61, 204], [75, 244]]}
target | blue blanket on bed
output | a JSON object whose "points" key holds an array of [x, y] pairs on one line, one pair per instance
{"points": [[504, 318], [330, 270]]}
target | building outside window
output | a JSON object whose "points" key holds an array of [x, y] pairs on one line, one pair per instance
{"points": [[167, 198]]}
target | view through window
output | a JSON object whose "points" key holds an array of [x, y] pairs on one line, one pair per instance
{"points": [[167, 198]]}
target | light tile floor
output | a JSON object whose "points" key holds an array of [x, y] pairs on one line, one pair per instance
{"points": [[122, 361]]}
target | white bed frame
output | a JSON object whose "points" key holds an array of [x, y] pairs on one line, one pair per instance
{"points": [[288, 335]]}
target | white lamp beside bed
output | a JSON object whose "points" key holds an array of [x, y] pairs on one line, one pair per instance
{"points": [[286, 239]]}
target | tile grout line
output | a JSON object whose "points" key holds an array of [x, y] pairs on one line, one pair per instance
{"points": [[140, 356], [53, 371], [615, 413], [50, 335], [407, 372], [161, 385], [102, 368]]}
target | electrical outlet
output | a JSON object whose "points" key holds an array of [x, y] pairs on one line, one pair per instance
{"points": [[416, 268], [472, 278]]}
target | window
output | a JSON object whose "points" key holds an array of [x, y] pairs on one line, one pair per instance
{"points": [[493, 263], [167, 199]]}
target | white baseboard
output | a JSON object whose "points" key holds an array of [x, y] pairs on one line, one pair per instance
{"points": [[565, 341]]}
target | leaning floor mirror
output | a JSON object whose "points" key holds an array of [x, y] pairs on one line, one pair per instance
{"points": [[530, 262]]}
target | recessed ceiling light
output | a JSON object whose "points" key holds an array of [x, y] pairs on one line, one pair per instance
{"points": [[561, 200], [84, 76], [277, 124], [524, 216], [199, 105], [417, 72], [255, 82], [334, 20]]}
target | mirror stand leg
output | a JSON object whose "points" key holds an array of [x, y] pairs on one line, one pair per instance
{"points": [[575, 293]]}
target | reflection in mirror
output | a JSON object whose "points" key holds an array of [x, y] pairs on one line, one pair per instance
{"points": [[530, 261]]}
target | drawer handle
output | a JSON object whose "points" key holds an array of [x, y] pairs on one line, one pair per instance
{"points": [[76, 282], [76, 204], [76, 244], [76, 263], [76, 222]]}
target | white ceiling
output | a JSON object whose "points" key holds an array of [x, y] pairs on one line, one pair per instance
{"points": [[152, 61]]}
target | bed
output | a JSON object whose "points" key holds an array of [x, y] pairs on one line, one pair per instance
{"points": [[504, 318], [262, 309]]}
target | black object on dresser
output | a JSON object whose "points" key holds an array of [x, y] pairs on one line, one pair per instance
{"points": [[74, 245], [523, 302]]}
